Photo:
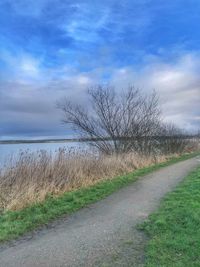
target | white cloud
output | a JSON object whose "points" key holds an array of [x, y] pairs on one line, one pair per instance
{"points": [[29, 98], [29, 66], [84, 80], [178, 85], [22, 66], [86, 21]]}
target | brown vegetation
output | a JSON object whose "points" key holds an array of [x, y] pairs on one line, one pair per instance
{"points": [[35, 175], [32, 176]]}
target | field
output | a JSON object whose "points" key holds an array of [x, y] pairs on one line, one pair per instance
{"points": [[174, 230]]}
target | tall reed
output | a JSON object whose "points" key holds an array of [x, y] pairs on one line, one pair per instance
{"points": [[32, 176]]}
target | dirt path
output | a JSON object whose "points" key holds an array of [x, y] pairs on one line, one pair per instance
{"points": [[102, 234]]}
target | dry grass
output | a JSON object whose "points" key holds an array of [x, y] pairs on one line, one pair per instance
{"points": [[30, 177], [33, 176]]}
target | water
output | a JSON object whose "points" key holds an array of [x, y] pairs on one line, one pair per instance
{"points": [[7, 150]]}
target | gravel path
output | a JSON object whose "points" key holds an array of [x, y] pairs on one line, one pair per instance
{"points": [[102, 233]]}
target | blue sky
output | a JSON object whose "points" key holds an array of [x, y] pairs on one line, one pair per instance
{"points": [[52, 48]]}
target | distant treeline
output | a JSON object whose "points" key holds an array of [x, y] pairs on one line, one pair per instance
{"points": [[71, 140]]}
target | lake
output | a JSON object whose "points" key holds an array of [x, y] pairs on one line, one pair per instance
{"points": [[7, 150]]}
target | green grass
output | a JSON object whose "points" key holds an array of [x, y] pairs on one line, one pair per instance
{"points": [[174, 230], [15, 223]]}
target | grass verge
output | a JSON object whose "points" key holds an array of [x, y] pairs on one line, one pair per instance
{"points": [[15, 223], [174, 230]]}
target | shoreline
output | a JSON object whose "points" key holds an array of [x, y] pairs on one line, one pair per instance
{"points": [[77, 140]]}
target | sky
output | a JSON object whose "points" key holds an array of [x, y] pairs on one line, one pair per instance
{"points": [[55, 48]]}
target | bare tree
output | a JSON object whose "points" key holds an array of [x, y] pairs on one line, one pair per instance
{"points": [[114, 122], [173, 139]]}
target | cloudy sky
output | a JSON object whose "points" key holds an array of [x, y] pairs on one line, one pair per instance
{"points": [[52, 48]]}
